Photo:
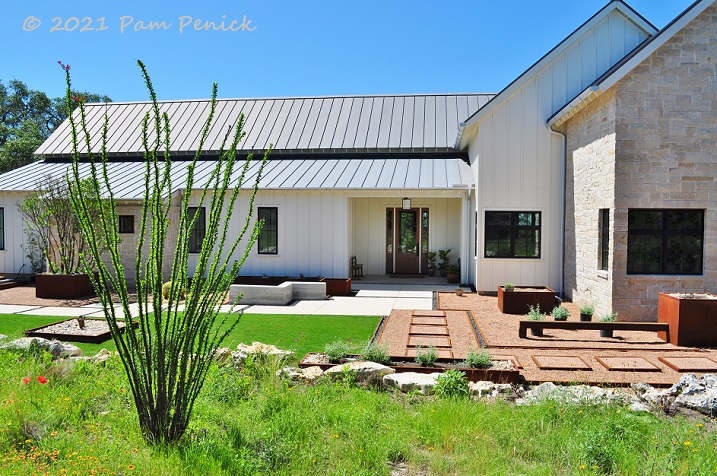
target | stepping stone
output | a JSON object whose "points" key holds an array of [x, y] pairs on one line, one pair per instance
{"points": [[628, 364], [412, 352], [690, 364], [429, 321], [427, 313], [560, 362], [428, 330], [425, 341]]}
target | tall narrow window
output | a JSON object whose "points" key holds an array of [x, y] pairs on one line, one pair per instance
{"points": [[196, 234], [389, 240], [604, 238], [2, 228], [665, 241], [269, 237], [512, 235]]}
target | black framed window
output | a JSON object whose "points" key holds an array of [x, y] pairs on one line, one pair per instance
{"points": [[269, 236], [126, 223], [196, 235], [604, 251], [2, 228], [512, 235], [665, 241]]}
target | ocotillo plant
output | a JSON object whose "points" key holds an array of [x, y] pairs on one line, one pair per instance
{"points": [[167, 355]]}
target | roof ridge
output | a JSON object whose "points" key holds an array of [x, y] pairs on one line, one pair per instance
{"points": [[286, 98]]}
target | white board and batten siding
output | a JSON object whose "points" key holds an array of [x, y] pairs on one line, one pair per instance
{"points": [[12, 257], [312, 233], [516, 159]]}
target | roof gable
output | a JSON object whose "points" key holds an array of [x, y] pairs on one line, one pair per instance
{"points": [[622, 68], [571, 44]]}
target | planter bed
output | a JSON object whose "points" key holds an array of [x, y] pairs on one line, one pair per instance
{"points": [[495, 375], [334, 286], [95, 331], [691, 317], [63, 286], [521, 298]]}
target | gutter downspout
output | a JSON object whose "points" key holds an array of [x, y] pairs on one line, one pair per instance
{"points": [[563, 187]]}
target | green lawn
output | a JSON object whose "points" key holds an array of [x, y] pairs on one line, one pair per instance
{"points": [[300, 333]]}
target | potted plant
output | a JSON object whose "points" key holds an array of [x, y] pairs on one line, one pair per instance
{"points": [[453, 272], [534, 314], [609, 317], [586, 312], [445, 262], [560, 313], [508, 287], [431, 263]]}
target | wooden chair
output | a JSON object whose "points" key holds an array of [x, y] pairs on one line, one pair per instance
{"points": [[356, 268]]}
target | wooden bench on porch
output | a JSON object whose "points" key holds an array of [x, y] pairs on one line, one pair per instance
{"points": [[593, 325], [356, 268]]}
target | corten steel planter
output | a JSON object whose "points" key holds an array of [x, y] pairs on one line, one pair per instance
{"points": [[692, 318], [63, 286], [472, 374], [338, 286], [521, 298]]}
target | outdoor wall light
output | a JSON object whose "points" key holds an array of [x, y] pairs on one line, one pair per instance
{"points": [[406, 203]]}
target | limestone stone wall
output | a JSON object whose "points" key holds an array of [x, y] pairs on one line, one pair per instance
{"points": [[648, 142], [666, 155], [129, 241], [590, 186]]}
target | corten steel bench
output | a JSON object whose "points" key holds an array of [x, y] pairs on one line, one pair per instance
{"points": [[598, 326]]}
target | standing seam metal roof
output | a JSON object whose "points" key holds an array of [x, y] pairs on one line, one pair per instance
{"points": [[127, 178], [412, 123]]}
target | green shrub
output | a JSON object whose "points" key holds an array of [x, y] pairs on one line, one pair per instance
{"points": [[609, 317], [376, 353], [560, 313], [427, 357], [534, 313], [587, 309], [479, 360], [451, 384], [337, 351]]}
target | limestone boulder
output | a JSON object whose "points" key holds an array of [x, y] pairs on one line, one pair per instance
{"points": [[308, 374], [362, 370], [699, 394], [410, 381], [56, 348], [575, 395], [488, 389]]}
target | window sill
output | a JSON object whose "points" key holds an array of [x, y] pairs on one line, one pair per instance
{"points": [[602, 274]]}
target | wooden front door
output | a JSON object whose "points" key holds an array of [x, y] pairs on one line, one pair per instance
{"points": [[406, 240]]}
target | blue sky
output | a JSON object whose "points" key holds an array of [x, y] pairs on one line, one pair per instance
{"points": [[322, 47]]}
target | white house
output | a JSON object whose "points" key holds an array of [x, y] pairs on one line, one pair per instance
{"points": [[573, 176]]}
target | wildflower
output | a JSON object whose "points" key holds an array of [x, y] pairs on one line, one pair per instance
{"points": [[41, 379], [130, 466], [360, 451], [431, 448], [700, 425], [688, 443], [26, 380], [54, 433], [582, 466]]}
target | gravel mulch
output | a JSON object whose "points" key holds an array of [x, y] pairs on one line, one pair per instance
{"points": [[25, 296]]}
